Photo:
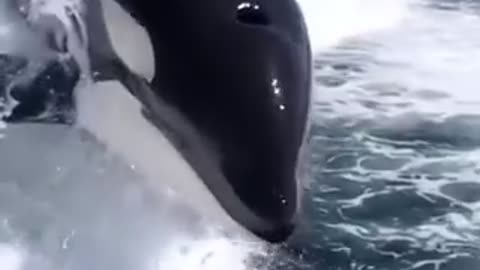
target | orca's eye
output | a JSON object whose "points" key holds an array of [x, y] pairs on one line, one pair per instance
{"points": [[250, 13]]}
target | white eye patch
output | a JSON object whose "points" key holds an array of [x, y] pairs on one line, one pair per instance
{"points": [[129, 39]]}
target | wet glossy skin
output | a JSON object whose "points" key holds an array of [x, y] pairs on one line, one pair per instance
{"points": [[240, 74], [231, 91]]}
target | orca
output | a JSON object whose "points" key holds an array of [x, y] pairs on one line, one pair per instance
{"points": [[228, 85]]}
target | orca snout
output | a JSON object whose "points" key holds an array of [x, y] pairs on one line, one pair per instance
{"points": [[264, 181], [264, 131], [269, 91], [237, 77]]}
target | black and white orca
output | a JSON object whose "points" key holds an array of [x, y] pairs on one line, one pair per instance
{"points": [[215, 90]]}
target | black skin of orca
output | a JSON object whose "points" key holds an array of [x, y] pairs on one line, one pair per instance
{"points": [[240, 73], [231, 91]]}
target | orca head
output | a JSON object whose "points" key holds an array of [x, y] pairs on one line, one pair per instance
{"points": [[239, 74], [228, 81]]}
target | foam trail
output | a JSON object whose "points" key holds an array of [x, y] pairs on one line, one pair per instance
{"points": [[17, 38], [10, 258], [171, 180], [331, 21], [404, 106], [170, 222]]}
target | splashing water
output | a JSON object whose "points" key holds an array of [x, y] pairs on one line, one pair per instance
{"points": [[10, 258], [332, 21], [397, 145], [396, 161]]}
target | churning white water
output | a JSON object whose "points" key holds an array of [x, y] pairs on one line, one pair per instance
{"points": [[387, 72], [397, 113]]}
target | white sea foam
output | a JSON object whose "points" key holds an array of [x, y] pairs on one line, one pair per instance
{"points": [[413, 61], [413, 86], [10, 258]]}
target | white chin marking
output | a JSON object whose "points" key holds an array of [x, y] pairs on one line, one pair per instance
{"points": [[129, 39], [113, 116]]}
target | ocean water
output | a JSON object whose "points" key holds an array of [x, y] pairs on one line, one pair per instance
{"points": [[396, 140], [394, 176]]}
